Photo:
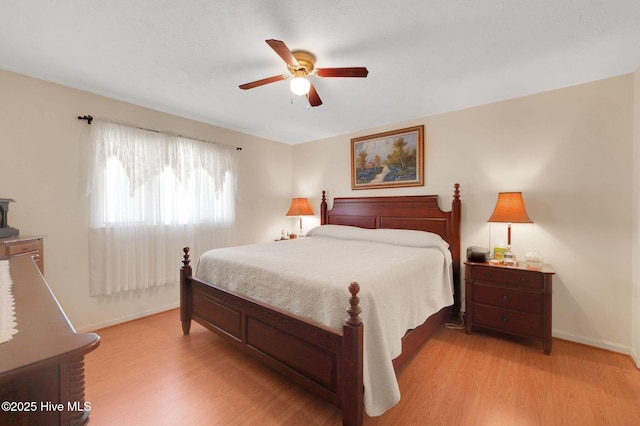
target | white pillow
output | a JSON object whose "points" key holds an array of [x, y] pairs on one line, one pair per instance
{"points": [[403, 237]]}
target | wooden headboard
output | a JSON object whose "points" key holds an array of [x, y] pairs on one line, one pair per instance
{"points": [[419, 212]]}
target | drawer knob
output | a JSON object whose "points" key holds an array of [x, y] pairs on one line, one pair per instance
{"points": [[504, 319], [505, 298], [487, 274], [523, 280]]}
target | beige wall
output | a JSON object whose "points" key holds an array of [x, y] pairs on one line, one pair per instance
{"points": [[42, 146], [570, 152]]}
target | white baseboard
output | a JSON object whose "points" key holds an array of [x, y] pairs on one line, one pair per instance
{"points": [[594, 342], [119, 320]]}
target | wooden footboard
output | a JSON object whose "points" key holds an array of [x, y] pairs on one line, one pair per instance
{"points": [[315, 357]]}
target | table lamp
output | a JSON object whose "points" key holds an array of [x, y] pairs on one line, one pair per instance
{"points": [[300, 207], [510, 209]]}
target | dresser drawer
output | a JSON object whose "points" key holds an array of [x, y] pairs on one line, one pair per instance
{"points": [[481, 273], [23, 248], [508, 298], [525, 278], [506, 320]]}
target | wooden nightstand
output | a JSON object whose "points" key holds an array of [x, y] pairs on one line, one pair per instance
{"points": [[515, 300]]}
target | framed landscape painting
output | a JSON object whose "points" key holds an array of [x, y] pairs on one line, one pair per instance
{"points": [[388, 160]]}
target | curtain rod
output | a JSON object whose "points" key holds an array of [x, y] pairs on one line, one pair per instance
{"points": [[90, 119]]}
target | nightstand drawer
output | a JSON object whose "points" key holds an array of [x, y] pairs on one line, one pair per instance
{"points": [[481, 273], [505, 320], [525, 278], [508, 298]]}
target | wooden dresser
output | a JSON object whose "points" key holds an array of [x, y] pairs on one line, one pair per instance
{"points": [[19, 246], [42, 366], [514, 300]]}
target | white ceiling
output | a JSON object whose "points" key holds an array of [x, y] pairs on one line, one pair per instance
{"points": [[424, 56]]}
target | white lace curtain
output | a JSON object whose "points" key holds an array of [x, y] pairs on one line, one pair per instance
{"points": [[150, 195]]}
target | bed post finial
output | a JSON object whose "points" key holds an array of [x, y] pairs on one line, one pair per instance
{"points": [[456, 191], [185, 260], [354, 308], [323, 209]]}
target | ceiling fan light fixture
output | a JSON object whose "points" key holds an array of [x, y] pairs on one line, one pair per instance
{"points": [[301, 64], [300, 85]]}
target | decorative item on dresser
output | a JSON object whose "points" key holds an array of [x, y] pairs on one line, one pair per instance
{"points": [[514, 300], [326, 361], [5, 229], [24, 246]]}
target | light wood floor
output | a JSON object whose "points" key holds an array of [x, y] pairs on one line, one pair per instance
{"points": [[146, 372]]}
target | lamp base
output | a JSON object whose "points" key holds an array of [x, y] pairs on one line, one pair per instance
{"points": [[300, 231], [509, 258]]}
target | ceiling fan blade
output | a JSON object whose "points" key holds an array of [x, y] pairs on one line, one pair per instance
{"points": [[284, 52], [312, 96], [263, 82], [342, 72]]}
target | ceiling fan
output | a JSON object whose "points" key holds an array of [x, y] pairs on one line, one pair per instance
{"points": [[302, 64]]}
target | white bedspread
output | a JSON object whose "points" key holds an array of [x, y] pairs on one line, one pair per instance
{"points": [[404, 277]]}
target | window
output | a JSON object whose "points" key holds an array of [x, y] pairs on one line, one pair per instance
{"points": [[150, 195]]}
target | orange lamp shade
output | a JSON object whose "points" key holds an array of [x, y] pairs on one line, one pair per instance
{"points": [[510, 209], [300, 207]]}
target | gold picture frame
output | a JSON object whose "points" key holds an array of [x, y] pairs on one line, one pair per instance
{"points": [[388, 160]]}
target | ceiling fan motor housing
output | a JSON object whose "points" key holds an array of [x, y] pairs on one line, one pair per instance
{"points": [[306, 63]]}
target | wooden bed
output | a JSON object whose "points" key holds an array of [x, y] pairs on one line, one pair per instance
{"points": [[322, 360]]}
